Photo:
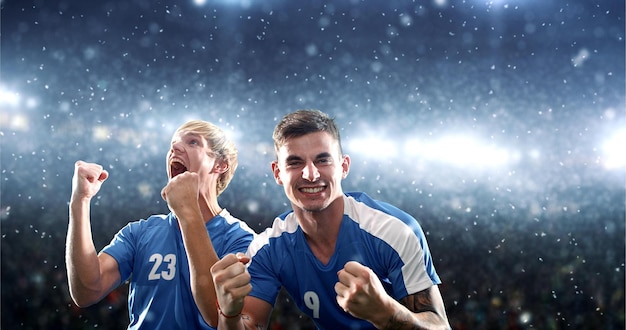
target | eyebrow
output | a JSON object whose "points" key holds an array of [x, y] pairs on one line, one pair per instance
{"points": [[292, 158], [323, 155], [319, 156]]}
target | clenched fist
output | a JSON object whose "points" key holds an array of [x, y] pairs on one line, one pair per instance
{"points": [[87, 180], [359, 291], [232, 282], [181, 191]]}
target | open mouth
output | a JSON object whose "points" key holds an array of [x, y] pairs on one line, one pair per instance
{"points": [[176, 168]]}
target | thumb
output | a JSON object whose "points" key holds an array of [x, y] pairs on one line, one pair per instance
{"points": [[103, 176], [242, 258]]}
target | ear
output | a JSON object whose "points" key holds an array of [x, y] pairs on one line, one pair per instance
{"points": [[220, 167], [345, 166], [276, 172]]}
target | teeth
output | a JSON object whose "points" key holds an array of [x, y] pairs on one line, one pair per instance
{"points": [[177, 165], [312, 190]]}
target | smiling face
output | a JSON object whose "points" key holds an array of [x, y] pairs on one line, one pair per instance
{"points": [[310, 169]]}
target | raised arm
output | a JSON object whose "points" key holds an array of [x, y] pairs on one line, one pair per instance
{"points": [[201, 257], [181, 194], [90, 276]]}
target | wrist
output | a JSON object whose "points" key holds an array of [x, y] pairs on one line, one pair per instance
{"points": [[386, 313], [219, 310], [189, 216]]}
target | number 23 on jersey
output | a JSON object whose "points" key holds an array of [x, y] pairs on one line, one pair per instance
{"points": [[169, 261]]}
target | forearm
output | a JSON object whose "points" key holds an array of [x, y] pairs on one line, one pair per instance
{"points": [[423, 310], [231, 323], [401, 318], [202, 256], [83, 269]]}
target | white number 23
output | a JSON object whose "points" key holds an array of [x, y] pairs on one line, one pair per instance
{"points": [[168, 274]]}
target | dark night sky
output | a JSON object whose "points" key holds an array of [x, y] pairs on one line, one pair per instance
{"points": [[499, 124]]}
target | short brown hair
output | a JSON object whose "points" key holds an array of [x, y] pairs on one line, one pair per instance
{"points": [[302, 122]]}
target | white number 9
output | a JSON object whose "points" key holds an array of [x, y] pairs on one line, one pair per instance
{"points": [[312, 301]]}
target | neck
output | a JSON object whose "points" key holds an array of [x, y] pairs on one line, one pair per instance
{"points": [[209, 207], [321, 228]]}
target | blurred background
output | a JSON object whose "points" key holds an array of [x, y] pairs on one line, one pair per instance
{"points": [[499, 124]]}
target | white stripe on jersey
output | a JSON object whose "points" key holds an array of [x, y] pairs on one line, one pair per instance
{"points": [[231, 220], [279, 227], [398, 235]]}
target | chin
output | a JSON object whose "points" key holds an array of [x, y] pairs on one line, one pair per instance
{"points": [[313, 207]]}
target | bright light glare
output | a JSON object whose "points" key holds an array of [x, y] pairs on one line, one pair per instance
{"points": [[14, 121], [615, 151], [459, 151], [456, 150], [374, 146], [10, 116], [9, 98], [525, 317], [101, 133], [440, 3]]}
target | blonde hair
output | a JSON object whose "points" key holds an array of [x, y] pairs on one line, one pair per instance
{"points": [[221, 146]]}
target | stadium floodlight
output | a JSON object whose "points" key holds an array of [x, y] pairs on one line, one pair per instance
{"points": [[460, 151], [614, 151]]}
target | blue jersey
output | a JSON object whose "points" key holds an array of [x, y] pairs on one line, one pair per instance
{"points": [[152, 251], [373, 233]]}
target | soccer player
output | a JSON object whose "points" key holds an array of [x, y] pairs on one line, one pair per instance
{"points": [[168, 256], [347, 260]]}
